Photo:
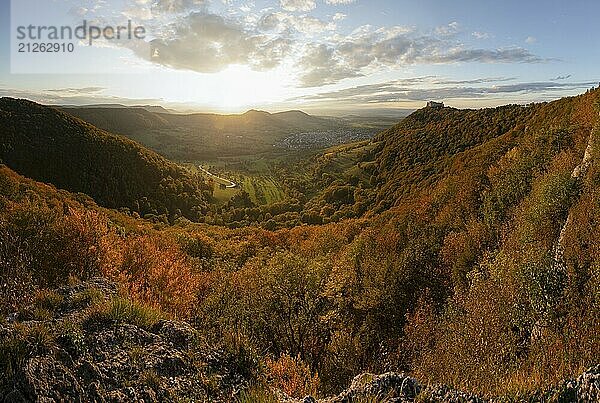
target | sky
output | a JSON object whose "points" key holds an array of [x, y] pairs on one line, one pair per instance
{"points": [[321, 56]]}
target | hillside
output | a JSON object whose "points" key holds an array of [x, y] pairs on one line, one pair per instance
{"points": [[51, 146], [430, 155], [206, 136], [403, 164], [421, 149], [119, 119], [460, 247]]}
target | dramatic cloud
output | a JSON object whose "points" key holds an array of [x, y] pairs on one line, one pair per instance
{"points": [[188, 36], [321, 67], [426, 88], [368, 49], [298, 5], [209, 43]]}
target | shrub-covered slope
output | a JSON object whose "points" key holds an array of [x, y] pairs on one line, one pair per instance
{"points": [[484, 277], [421, 149]]}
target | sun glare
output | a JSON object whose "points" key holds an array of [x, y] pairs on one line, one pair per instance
{"points": [[239, 88]]}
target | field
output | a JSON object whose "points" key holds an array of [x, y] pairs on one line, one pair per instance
{"points": [[262, 189], [257, 177]]}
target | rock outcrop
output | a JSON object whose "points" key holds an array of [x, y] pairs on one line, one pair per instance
{"points": [[60, 349], [394, 387], [70, 357]]}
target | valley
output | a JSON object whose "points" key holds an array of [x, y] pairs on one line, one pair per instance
{"points": [[299, 201], [184, 137], [255, 148], [423, 253]]}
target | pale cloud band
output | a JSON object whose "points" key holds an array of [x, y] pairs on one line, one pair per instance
{"points": [[431, 87]]}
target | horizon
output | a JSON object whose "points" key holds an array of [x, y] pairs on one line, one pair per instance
{"points": [[384, 113], [327, 57], [185, 110]]}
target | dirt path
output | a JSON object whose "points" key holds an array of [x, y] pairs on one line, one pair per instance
{"points": [[228, 184]]}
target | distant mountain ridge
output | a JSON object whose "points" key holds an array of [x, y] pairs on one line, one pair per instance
{"points": [[149, 108], [99, 115], [199, 136]]}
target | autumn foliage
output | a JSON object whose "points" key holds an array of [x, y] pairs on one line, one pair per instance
{"points": [[452, 274]]}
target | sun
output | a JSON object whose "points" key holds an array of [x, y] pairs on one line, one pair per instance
{"points": [[239, 88]]}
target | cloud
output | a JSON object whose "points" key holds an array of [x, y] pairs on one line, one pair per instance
{"points": [[209, 43], [160, 10], [246, 8], [448, 30], [558, 78], [176, 6], [298, 5], [506, 55], [284, 22], [73, 96], [482, 80], [530, 39], [76, 91], [481, 35], [338, 2], [320, 67], [428, 87], [368, 50], [189, 37]]}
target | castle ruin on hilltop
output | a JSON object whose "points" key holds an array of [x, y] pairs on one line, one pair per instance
{"points": [[433, 104]]}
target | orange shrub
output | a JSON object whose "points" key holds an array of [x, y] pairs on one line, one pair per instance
{"points": [[293, 376], [46, 246], [157, 273]]}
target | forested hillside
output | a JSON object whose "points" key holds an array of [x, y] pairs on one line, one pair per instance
{"points": [[421, 148], [404, 163], [52, 146], [460, 247]]}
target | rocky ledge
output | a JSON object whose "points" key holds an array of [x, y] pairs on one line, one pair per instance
{"points": [[86, 343], [400, 388]]}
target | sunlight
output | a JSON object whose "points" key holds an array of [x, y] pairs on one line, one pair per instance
{"points": [[239, 88]]}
